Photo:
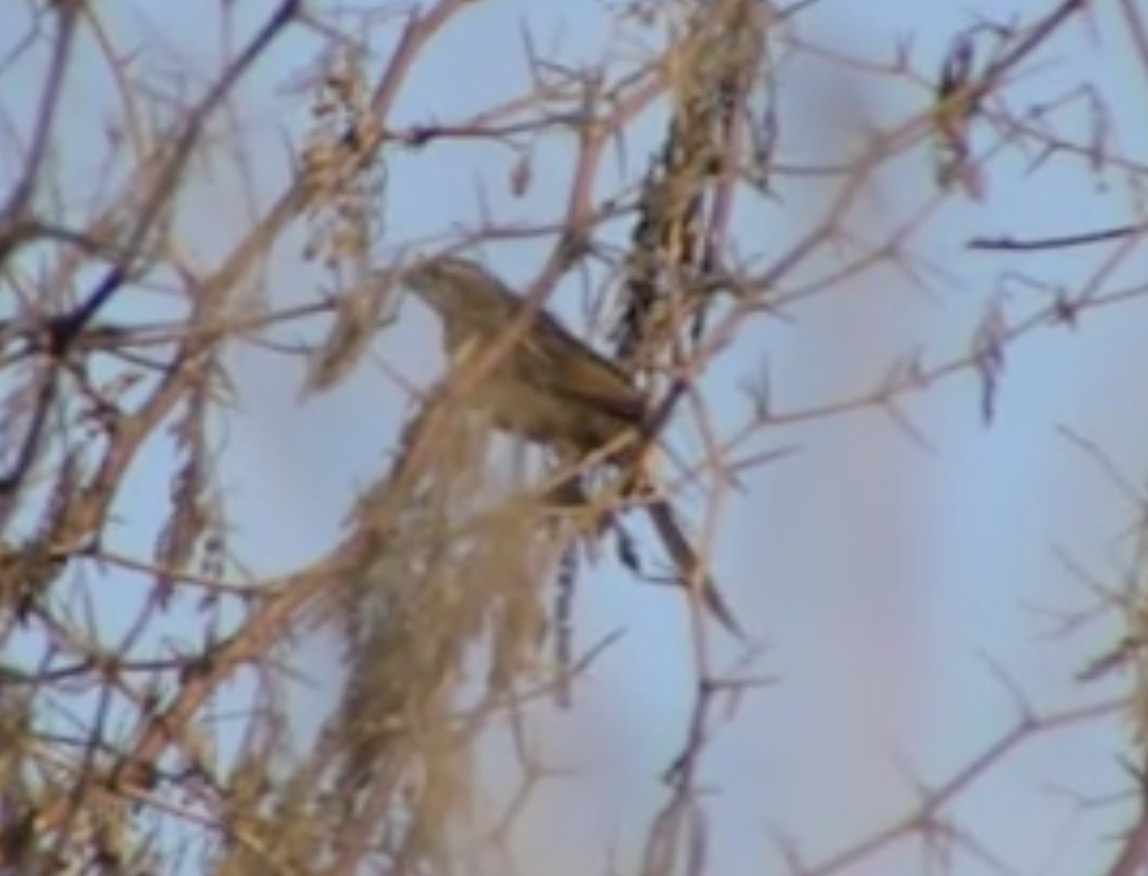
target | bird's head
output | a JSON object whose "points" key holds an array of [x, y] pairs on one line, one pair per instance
{"points": [[449, 282]]}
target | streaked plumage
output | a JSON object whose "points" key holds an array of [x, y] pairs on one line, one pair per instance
{"points": [[550, 388]]}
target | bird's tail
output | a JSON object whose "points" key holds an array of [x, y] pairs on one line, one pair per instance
{"points": [[694, 575]]}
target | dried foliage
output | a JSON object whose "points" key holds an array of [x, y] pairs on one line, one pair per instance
{"points": [[675, 260], [147, 682]]}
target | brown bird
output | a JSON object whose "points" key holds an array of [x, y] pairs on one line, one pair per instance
{"points": [[551, 388]]}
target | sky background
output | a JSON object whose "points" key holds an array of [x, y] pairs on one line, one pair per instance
{"points": [[896, 583]]}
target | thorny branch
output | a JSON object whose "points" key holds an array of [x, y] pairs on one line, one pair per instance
{"points": [[436, 591]]}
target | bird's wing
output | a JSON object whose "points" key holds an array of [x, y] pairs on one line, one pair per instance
{"points": [[627, 406], [588, 377]]}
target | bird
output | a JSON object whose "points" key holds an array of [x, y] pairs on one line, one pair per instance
{"points": [[550, 387], [553, 389]]}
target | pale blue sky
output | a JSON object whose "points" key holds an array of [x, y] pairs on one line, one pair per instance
{"points": [[865, 559]]}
